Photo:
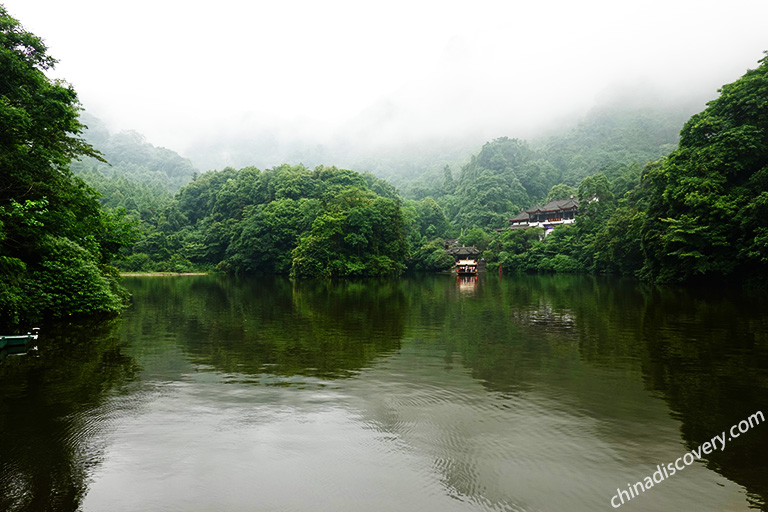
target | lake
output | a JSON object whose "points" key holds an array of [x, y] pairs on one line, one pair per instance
{"points": [[425, 393]]}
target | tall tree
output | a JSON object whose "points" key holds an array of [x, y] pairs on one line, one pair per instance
{"points": [[708, 200], [54, 239]]}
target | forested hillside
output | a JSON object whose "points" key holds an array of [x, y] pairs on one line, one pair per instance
{"points": [[510, 174], [70, 207], [56, 242], [706, 204], [694, 213], [687, 215], [492, 186], [698, 213], [128, 156], [131, 174], [320, 223]]}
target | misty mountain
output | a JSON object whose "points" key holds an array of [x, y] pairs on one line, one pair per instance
{"points": [[605, 140], [610, 136], [130, 157], [620, 133]]}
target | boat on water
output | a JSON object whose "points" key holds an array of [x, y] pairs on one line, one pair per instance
{"points": [[18, 340], [466, 267]]}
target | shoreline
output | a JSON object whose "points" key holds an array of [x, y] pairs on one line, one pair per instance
{"points": [[162, 274]]}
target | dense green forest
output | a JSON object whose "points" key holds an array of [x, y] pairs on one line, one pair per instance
{"points": [[129, 161], [56, 242], [698, 213], [664, 211], [75, 200], [607, 137], [505, 176]]}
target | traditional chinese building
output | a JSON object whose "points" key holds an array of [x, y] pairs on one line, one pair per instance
{"points": [[464, 252], [559, 211], [466, 256]]}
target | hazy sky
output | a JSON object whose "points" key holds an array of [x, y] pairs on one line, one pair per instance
{"points": [[183, 72]]}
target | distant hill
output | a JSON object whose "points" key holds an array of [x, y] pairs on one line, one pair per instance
{"points": [[622, 132], [133, 159], [506, 174], [612, 136], [606, 137], [606, 140]]}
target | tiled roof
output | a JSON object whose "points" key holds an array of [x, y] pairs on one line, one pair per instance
{"points": [[463, 251], [557, 204]]}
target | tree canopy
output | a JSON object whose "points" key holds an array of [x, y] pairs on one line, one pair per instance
{"points": [[55, 241], [707, 202], [320, 222], [697, 213]]}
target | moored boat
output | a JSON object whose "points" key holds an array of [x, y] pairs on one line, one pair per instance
{"points": [[466, 267], [18, 340]]}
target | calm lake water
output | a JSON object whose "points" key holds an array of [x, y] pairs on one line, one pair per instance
{"points": [[527, 393]]}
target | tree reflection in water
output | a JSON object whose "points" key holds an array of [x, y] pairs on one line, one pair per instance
{"points": [[576, 352], [45, 406]]}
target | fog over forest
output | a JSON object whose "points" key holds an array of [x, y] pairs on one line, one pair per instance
{"points": [[348, 84]]}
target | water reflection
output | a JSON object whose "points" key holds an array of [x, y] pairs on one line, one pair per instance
{"points": [[467, 284], [707, 354], [521, 393], [47, 404], [272, 326]]}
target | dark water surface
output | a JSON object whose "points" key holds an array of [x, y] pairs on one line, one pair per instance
{"points": [[540, 393]]}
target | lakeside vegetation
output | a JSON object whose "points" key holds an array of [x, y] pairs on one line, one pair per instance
{"points": [[695, 213], [239, 220], [56, 241], [79, 205]]}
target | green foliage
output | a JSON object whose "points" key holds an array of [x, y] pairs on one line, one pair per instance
{"points": [[603, 239], [55, 241], [617, 246], [560, 191], [176, 263], [514, 249], [380, 186], [269, 233], [610, 137], [358, 234], [197, 200], [431, 257], [429, 218], [69, 281], [509, 174], [489, 187], [698, 213], [559, 263], [227, 220], [475, 237], [128, 157], [706, 200], [320, 222]]}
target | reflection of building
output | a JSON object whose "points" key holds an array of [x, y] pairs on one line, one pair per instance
{"points": [[559, 211], [467, 284], [546, 319]]}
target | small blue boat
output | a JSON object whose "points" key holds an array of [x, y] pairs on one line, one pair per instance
{"points": [[19, 340]]}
